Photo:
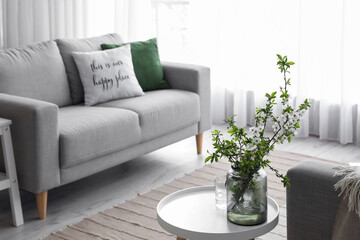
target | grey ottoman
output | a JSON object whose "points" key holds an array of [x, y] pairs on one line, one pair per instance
{"points": [[311, 201]]}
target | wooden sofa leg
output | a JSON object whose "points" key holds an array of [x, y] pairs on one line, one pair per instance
{"points": [[41, 201], [199, 142]]}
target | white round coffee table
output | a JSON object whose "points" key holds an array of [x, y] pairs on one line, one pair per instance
{"points": [[191, 214]]}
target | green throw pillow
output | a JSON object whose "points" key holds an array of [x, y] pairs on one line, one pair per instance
{"points": [[146, 61]]}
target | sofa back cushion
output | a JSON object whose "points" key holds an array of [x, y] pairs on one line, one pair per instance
{"points": [[68, 46], [35, 71]]}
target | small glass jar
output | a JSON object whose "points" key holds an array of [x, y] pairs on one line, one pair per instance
{"points": [[246, 199]]}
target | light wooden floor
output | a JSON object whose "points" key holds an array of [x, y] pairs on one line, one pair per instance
{"points": [[71, 203]]}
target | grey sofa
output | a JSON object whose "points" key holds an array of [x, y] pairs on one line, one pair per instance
{"points": [[57, 140], [311, 201]]}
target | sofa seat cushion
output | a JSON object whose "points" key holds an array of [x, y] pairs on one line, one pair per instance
{"points": [[90, 132], [161, 111]]}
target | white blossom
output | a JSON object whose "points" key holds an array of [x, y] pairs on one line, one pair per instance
{"points": [[285, 105], [251, 148], [252, 130], [302, 112], [276, 127], [256, 130]]}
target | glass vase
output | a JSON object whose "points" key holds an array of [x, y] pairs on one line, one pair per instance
{"points": [[246, 199]]}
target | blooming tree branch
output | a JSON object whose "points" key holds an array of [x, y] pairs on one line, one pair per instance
{"points": [[248, 151]]}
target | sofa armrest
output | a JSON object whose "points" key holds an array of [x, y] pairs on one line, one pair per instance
{"points": [[35, 136], [311, 200], [192, 78]]}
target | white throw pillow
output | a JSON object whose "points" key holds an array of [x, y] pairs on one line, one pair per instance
{"points": [[107, 75]]}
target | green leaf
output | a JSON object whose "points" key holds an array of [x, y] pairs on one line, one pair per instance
{"points": [[215, 132], [231, 131]]}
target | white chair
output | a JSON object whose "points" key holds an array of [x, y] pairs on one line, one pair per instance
{"points": [[8, 180]]}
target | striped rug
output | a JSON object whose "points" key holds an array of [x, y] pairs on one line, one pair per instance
{"points": [[136, 218]]}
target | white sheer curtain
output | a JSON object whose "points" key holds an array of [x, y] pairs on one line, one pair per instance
{"points": [[239, 40], [26, 21]]}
